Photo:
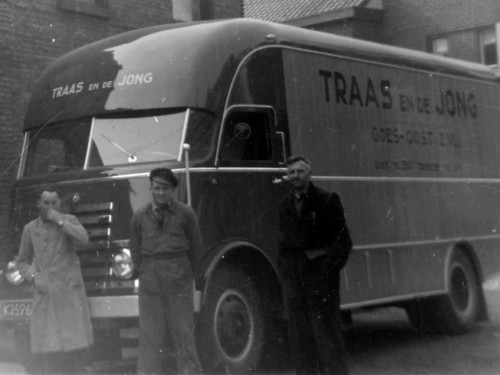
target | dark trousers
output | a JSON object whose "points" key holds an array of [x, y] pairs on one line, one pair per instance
{"points": [[166, 317], [313, 310]]}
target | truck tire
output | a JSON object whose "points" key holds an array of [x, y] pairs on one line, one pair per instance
{"points": [[455, 312], [231, 324]]}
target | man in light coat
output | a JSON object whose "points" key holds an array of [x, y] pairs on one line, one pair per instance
{"points": [[61, 330]]}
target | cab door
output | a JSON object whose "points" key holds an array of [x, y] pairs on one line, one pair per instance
{"points": [[246, 184]]}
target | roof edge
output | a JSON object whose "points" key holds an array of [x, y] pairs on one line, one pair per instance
{"points": [[371, 11]]}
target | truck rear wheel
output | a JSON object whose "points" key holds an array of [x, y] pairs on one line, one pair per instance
{"points": [[457, 311], [231, 324]]}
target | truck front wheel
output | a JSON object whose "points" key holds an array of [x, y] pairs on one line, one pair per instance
{"points": [[231, 324]]}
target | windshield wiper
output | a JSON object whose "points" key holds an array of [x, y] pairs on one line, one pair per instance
{"points": [[131, 157]]}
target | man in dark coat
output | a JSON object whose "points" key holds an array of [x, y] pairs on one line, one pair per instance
{"points": [[314, 247], [61, 329], [166, 243]]}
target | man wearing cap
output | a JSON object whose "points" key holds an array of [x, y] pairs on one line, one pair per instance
{"points": [[166, 244]]}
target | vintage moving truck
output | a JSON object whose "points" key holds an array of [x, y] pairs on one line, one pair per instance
{"points": [[410, 141]]}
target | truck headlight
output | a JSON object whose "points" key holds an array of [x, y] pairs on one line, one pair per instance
{"points": [[123, 266], [12, 273]]}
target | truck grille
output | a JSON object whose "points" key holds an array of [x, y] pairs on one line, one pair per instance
{"points": [[97, 219], [96, 257]]}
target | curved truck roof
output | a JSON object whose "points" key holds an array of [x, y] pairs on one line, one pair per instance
{"points": [[192, 65]]}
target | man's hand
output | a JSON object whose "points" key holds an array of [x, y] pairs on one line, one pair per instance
{"points": [[335, 260], [54, 216]]}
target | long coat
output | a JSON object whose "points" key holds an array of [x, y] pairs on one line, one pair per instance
{"points": [[60, 319], [315, 245]]}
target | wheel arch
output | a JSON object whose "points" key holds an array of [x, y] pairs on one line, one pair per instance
{"points": [[249, 267], [257, 265]]}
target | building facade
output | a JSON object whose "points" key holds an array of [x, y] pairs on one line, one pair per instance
{"points": [[463, 29], [467, 30], [35, 32]]}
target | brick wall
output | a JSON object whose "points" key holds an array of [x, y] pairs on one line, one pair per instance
{"points": [[365, 30], [218, 9], [227, 8], [35, 32]]}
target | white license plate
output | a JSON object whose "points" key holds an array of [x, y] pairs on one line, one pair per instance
{"points": [[13, 310]]}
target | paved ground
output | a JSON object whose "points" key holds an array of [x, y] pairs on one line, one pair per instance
{"points": [[8, 355], [382, 343]]}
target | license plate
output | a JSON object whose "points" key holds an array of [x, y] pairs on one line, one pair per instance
{"points": [[15, 310]]}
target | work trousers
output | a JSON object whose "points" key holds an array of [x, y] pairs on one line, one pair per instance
{"points": [[166, 316], [313, 310], [64, 363]]}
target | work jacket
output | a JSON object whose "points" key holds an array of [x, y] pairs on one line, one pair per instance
{"points": [[178, 234], [60, 319]]}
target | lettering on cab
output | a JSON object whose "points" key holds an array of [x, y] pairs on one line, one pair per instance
{"points": [[133, 79]]}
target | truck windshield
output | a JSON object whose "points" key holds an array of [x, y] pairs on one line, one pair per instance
{"points": [[141, 139], [116, 141]]}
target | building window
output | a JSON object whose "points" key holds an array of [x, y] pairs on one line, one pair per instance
{"points": [[440, 46], [488, 47]]}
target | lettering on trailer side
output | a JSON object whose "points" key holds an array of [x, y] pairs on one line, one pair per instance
{"points": [[387, 118], [351, 92], [369, 92]]}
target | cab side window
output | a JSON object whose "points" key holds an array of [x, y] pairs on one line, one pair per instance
{"points": [[246, 136]]}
